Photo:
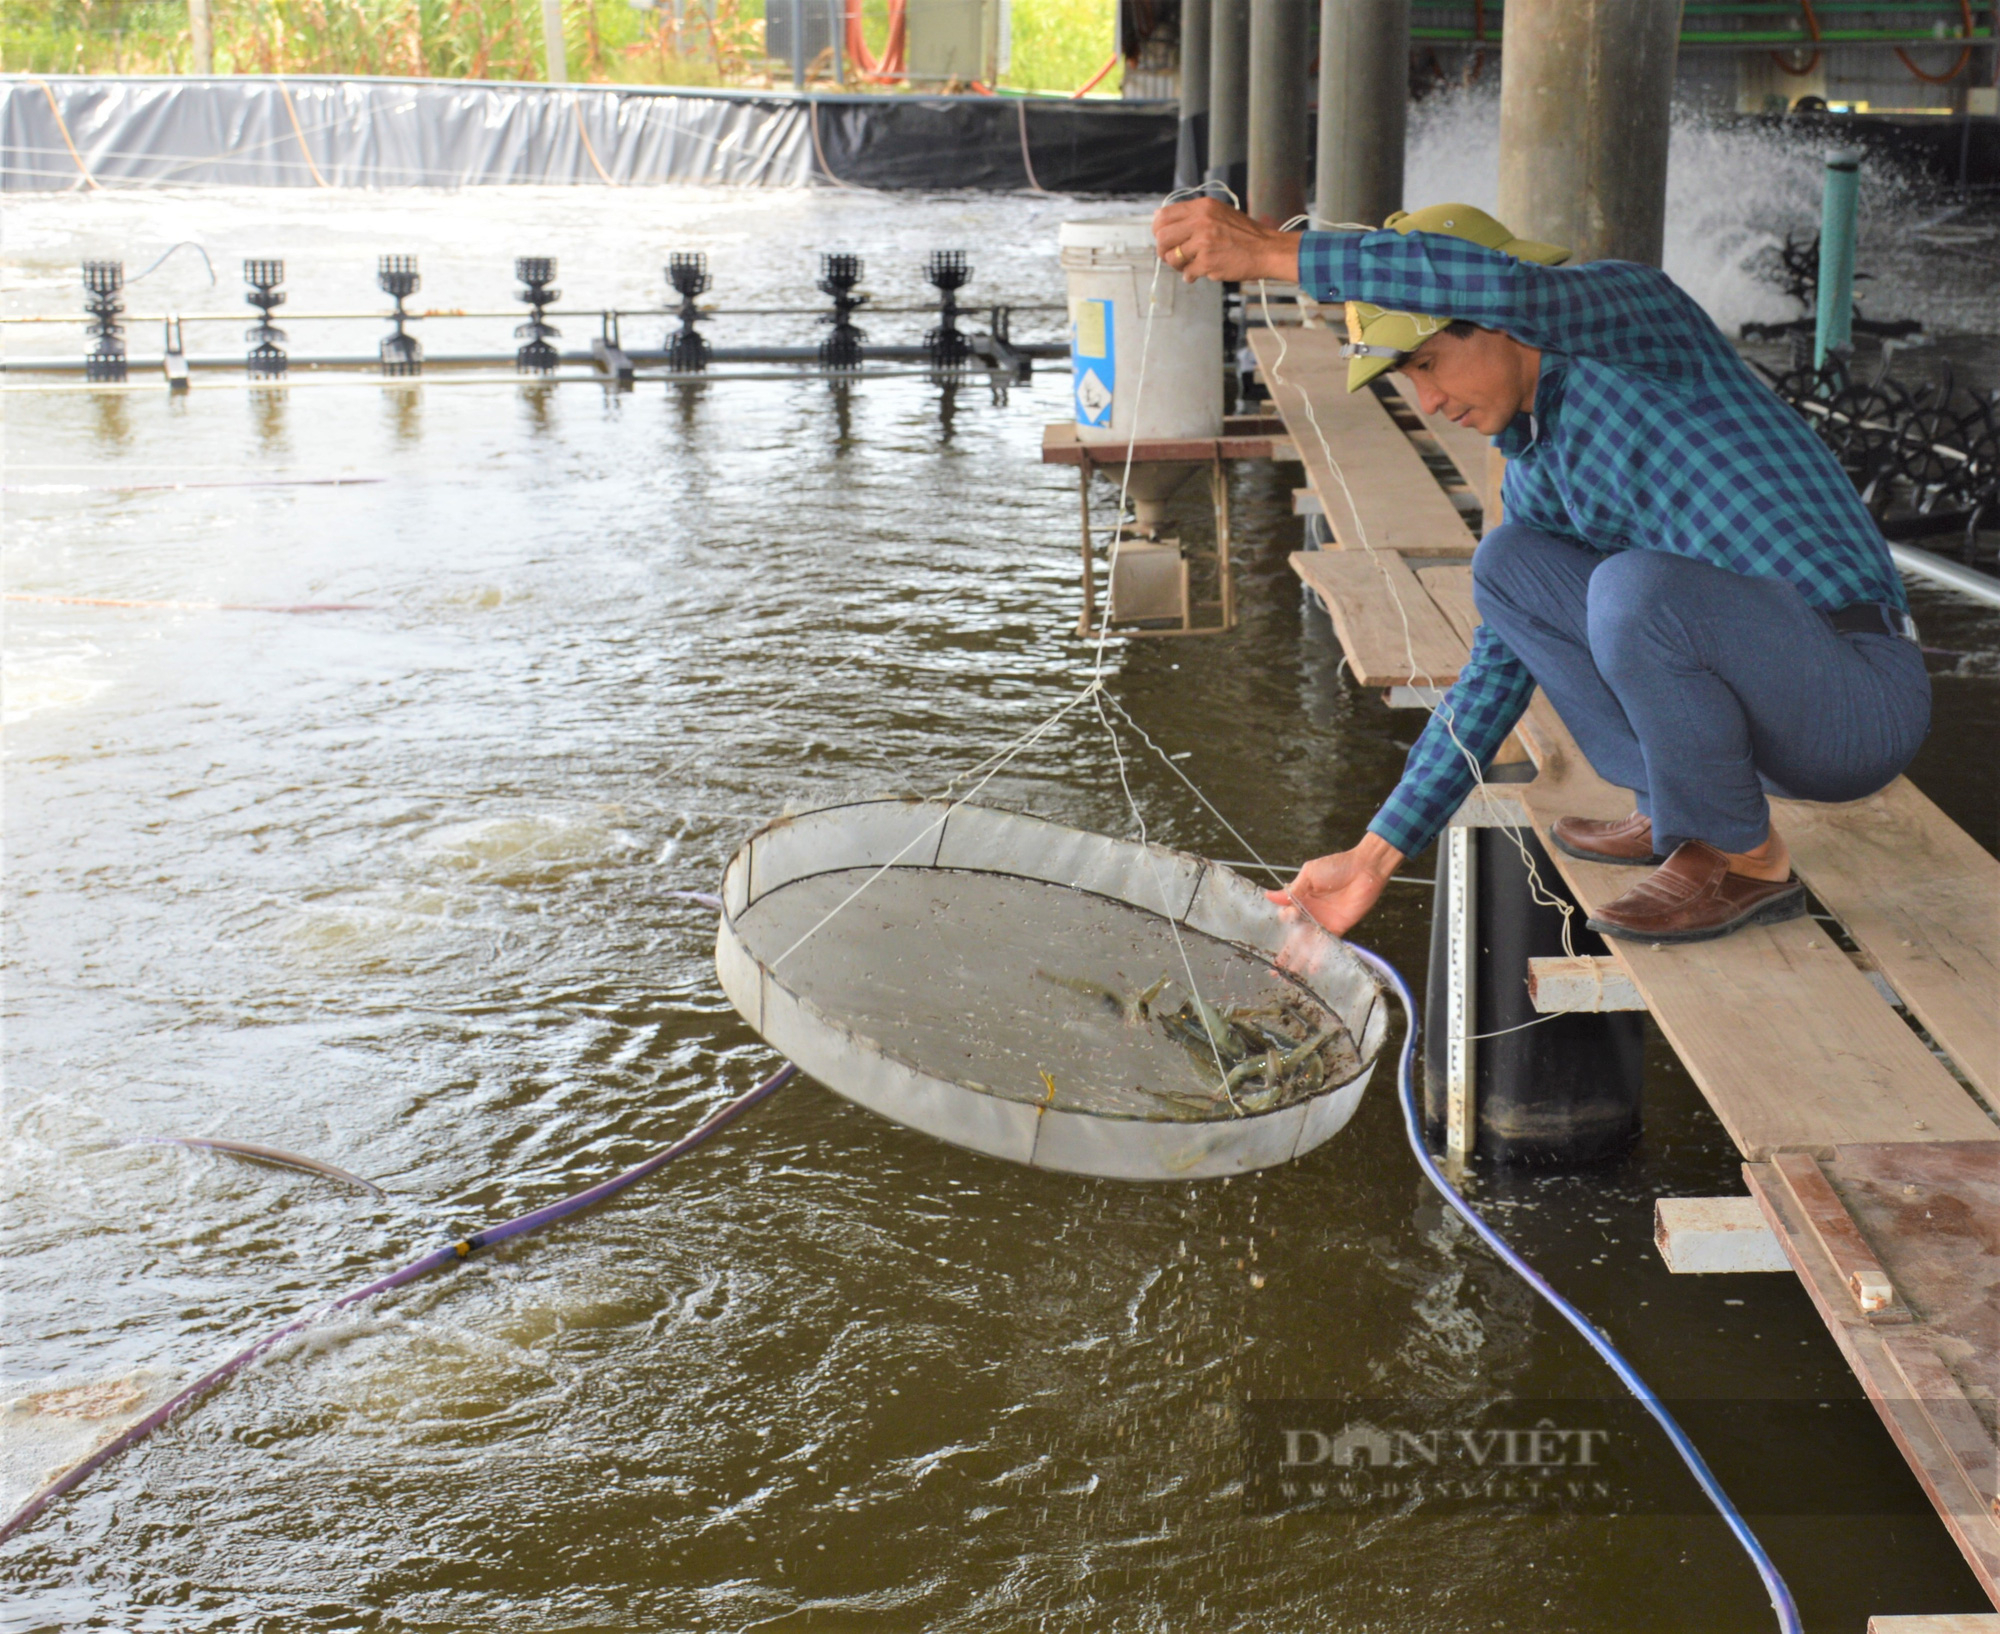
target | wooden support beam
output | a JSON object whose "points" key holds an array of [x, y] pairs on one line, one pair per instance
{"points": [[1702, 1236], [1062, 446], [1853, 1261], [1590, 985]]}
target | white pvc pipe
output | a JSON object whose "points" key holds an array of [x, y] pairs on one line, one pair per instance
{"points": [[1967, 580]]}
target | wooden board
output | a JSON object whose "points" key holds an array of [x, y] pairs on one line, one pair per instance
{"points": [[1922, 898], [1786, 1039], [1930, 1215], [1401, 506], [1943, 1622], [1062, 446], [1465, 448], [1588, 985], [1368, 595]]}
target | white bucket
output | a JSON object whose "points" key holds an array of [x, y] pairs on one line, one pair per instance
{"points": [[1112, 267]]}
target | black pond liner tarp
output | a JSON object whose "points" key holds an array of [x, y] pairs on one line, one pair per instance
{"points": [[67, 131], [977, 141]]}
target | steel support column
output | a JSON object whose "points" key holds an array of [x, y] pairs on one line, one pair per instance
{"points": [[1191, 156]]}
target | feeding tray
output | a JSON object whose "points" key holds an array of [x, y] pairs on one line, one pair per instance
{"points": [[1014, 986]]}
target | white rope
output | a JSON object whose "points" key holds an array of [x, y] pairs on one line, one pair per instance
{"points": [[1538, 891], [1000, 761], [1096, 690]]}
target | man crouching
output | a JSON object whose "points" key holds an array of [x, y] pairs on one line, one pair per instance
{"points": [[1684, 568]]}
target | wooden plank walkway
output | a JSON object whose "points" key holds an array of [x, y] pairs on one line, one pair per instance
{"points": [[1821, 1083], [1921, 898], [1396, 503], [1918, 1221]]}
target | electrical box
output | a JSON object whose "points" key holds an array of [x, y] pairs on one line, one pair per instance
{"points": [[953, 40], [822, 17]]}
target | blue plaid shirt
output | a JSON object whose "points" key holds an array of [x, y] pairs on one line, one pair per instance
{"points": [[1648, 433]]}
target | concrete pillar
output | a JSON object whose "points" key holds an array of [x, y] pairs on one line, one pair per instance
{"points": [[1229, 94], [1191, 157], [1585, 90], [1364, 96], [201, 38], [1279, 60], [552, 42]]}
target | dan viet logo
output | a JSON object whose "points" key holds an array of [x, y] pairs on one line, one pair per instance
{"points": [[1543, 1447], [1597, 1456], [1365, 1463]]}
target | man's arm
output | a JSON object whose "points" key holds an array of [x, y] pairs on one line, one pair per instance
{"points": [[1204, 238], [1473, 720], [1613, 310]]}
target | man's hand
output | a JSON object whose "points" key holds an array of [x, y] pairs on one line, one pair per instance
{"points": [[1204, 238], [1338, 891]]}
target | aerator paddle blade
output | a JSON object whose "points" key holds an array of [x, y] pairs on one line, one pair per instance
{"points": [[1016, 987]]}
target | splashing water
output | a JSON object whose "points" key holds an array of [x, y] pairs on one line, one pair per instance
{"points": [[1734, 190]]}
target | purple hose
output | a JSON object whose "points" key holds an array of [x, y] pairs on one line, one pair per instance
{"points": [[437, 1259]]}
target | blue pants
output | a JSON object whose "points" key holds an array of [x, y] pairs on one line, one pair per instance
{"points": [[1699, 689]]}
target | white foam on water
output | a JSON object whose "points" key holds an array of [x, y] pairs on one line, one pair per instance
{"points": [[48, 1426], [528, 848], [42, 679]]}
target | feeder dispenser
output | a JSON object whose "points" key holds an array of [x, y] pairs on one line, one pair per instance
{"points": [[106, 359], [838, 274], [536, 273], [948, 273], [687, 351], [266, 359], [401, 351]]}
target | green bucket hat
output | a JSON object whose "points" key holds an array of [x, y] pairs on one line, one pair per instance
{"points": [[1377, 340]]}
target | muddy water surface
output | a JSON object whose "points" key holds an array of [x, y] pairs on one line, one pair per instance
{"points": [[391, 887]]}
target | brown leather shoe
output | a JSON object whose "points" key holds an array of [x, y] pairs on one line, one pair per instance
{"points": [[1629, 841], [1693, 897]]}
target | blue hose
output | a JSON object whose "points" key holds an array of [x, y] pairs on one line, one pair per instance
{"points": [[1774, 1582]]}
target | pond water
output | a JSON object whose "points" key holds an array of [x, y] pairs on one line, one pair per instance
{"points": [[392, 886]]}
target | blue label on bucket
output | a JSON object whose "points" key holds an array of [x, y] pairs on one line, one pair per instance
{"points": [[1093, 354]]}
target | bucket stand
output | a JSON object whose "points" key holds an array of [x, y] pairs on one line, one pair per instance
{"points": [[1244, 437], [1166, 586]]}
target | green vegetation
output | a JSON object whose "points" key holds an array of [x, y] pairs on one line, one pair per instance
{"points": [[1057, 44]]}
